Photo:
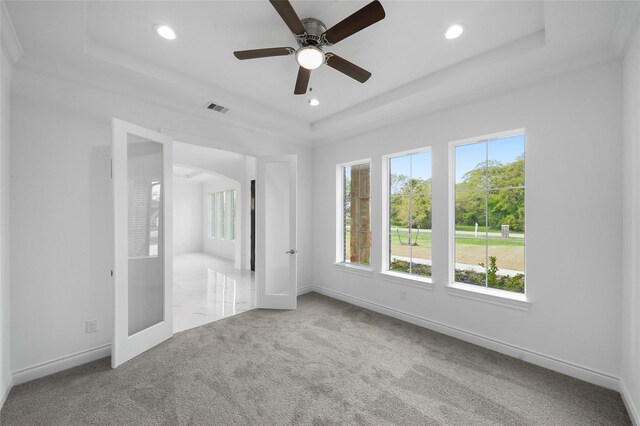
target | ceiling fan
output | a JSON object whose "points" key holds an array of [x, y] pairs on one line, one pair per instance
{"points": [[312, 35]]}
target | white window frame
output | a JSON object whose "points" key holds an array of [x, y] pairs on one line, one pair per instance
{"points": [[485, 294], [388, 274], [229, 227], [211, 230], [214, 231], [340, 261]]}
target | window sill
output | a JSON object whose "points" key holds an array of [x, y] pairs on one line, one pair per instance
{"points": [[221, 239], [354, 269], [422, 283], [489, 295], [155, 256]]}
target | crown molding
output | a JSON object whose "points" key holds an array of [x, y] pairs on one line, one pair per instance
{"points": [[458, 70], [10, 43], [388, 115], [161, 79], [83, 78], [626, 27]]}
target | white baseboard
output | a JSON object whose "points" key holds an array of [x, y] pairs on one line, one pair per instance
{"points": [[570, 369], [632, 408], [4, 393], [44, 369], [305, 289]]}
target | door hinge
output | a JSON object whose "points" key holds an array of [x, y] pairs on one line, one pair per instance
{"points": [[112, 272], [111, 169]]}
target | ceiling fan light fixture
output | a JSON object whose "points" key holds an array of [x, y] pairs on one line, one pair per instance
{"points": [[165, 31], [453, 32], [310, 57]]}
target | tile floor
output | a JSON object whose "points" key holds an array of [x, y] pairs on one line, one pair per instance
{"points": [[207, 289]]}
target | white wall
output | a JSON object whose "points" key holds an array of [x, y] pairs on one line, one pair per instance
{"points": [[630, 374], [187, 217], [60, 163], [219, 162], [237, 170], [222, 248], [574, 199], [5, 365]]}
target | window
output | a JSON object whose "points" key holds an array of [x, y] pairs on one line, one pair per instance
{"points": [[409, 208], [489, 225], [145, 199], [222, 215], [355, 214]]}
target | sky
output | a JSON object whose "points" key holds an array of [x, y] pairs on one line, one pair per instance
{"points": [[504, 150], [418, 165]]}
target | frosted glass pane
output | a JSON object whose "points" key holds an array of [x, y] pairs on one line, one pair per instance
{"points": [[145, 242]]}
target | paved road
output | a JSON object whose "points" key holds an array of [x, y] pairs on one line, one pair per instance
{"points": [[480, 233], [490, 234]]}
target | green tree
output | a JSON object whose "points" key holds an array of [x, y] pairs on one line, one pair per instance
{"points": [[411, 202], [505, 205]]}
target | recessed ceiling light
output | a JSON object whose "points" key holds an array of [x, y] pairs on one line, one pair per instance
{"points": [[314, 102], [310, 57], [165, 32], [454, 31]]}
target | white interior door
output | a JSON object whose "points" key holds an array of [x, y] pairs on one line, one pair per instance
{"points": [[276, 268], [142, 164]]}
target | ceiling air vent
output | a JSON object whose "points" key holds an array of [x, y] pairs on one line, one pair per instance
{"points": [[217, 108]]}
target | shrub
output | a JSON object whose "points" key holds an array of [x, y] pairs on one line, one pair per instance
{"points": [[503, 282], [515, 283], [415, 268], [470, 276]]}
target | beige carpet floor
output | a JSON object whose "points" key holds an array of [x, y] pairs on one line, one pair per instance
{"points": [[326, 363]]}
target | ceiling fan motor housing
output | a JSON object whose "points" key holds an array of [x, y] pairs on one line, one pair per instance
{"points": [[314, 29]]}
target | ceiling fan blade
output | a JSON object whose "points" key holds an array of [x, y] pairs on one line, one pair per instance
{"points": [[264, 53], [288, 15], [368, 15], [302, 82], [347, 68]]}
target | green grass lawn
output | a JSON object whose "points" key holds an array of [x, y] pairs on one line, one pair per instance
{"points": [[468, 249], [493, 241], [424, 238]]}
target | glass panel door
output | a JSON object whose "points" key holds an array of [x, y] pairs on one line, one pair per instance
{"points": [[145, 198], [142, 222]]}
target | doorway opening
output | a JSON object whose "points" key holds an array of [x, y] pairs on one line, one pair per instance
{"points": [[143, 203], [212, 274]]}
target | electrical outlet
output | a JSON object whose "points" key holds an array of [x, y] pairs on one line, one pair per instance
{"points": [[403, 295], [91, 326]]}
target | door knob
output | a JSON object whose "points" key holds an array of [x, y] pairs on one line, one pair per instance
{"points": [[292, 251]]}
